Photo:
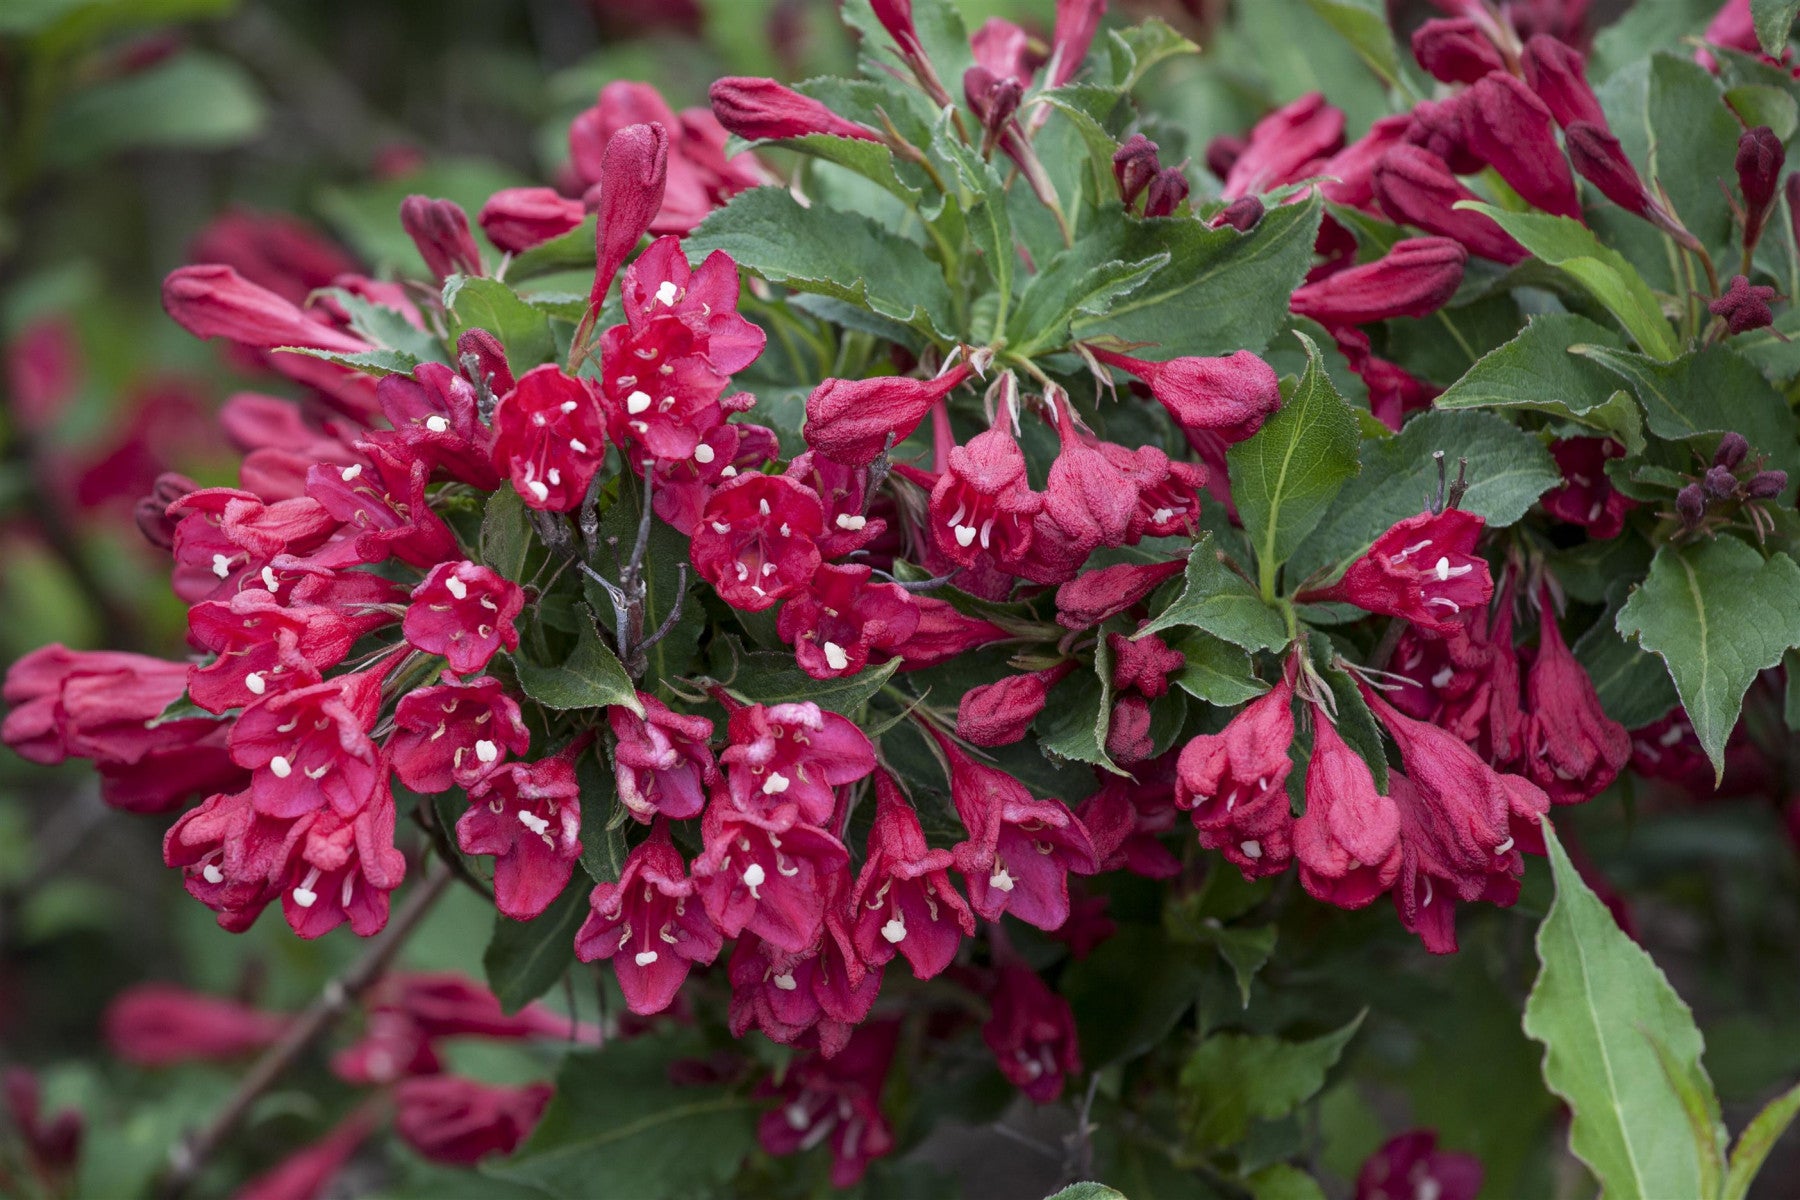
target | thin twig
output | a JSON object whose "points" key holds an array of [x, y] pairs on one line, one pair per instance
{"points": [[188, 1157]]}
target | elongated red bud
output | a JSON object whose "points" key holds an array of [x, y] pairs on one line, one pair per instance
{"points": [[850, 420], [1600, 160], [1241, 214], [633, 171], [1414, 279], [1760, 157], [516, 219], [212, 301], [440, 229], [1513, 131], [1416, 187], [761, 108], [1455, 50], [1556, 73]]}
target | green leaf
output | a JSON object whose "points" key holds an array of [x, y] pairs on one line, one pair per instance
{"points": [[772, 678], [1759, 1137], [192, 101], [1539, 371], [872, 160], [1285, 478], [1774, 22], [478, 303], [616, 1117], [1221, 602], [1217, 671], [1364, 24], [1246, 949], [506, 537], [1129, 993], [1760, 104], [1700, 1106], [1633, 685], [374, 362], [524, 959], [1712, 391], [1087, 1191], [1072, 285], [1232, 1079], [1692, 145], [571, 251], [1508, 470], [1597, 1003], [1717, 613], [591, 677], [603, 820], [1219, 292], [668, 580], [990, 228], [1075, 722], [1279, 1181], [830, 253], [1566, 243], [1137, 48], [365, 213]]}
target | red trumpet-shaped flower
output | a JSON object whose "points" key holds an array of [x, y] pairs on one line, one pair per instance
{"points": [[1090, 599], [660, 285], [263, 647], [766, 874], [852, 421], [757, 540], [440, 231], [448, 1119], [310, 747], [343, 869], [1125, 818], [904, 901], [1234, 783], [454, 733], [384, 507], [160, 1025], [1032, 1034], [1573, 750], [1455, 50], [944, 633], [1021, 850], [761, 108], [1230, 396], [215, 301], [1286, 145], [820, 994], [1513, 131], [1347, 841], [549, 438], [793, 754], [650, 924], [1586, 496], [464, 612], [1423, 568], [841, 618], [436, 416], [662, 762], [528, 816], [999, 713], [1413, 279], [1414, 186], [835, 1100], [983, 504], [230, 855]]}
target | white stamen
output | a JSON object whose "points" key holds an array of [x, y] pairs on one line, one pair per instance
{"points": [[305, 897], [256, 683], [721, 527], [1252, 850], [1161, 515], [538, 490], [762, 506], [729, 472], [704, 454], [568, 406], [1001, 880], [221, 566], [211, 873], [1503, 847], [965, 535], [486, 751], [854, 524], [1443, 677], [554, 476], [349, 473], [281, 766], [667, 292], [775, 784], [1445, 601], [835, 656], [533, 822], [437, 424], [269, 580], [785, 981], [644, 958], [637, 402], [578, 446], [753, 879], [894, 931], [457, 588]]}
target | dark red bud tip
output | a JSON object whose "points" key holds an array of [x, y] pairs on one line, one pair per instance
{"points": [[992, 98], [1760, 157], [440, 230], [1223, 152], [1731, 451], [1135, 164], [1720, 483], [489, 360], [761, 108], [1455, 50], [152, 511], [1598, 158], [1165, 193], [1241, 214], [1690, 503], [1766, 485], [1555, 72]]}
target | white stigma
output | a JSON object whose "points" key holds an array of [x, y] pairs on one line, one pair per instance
{"points": [[785, 981], [1161, 515], [533, 822], [1503, 847], [578, 446], [644, 958], [221, 566], [637, 402], [762, 506], [835, 656], [729, 472], [437, 424], [349, 473], [538, 490], [775, 784], [1252, 850], [305, 897], [211, 873], [1000, 879], [269, 580], [567, 407], [965, 535], [753, 878], [894, 931], [667, 292], [721, 527], [854, 524], [486, 751], [704, 454], [281, 766], [256, 683], [457, 588]]}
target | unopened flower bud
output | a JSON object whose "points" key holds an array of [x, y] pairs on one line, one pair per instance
{"points": [[1744, 306], [152, 512], [1720, 483], [1731, 451], [1414, 279], [1455, 50], [1165, 193], [1416, 187], [1555, 72], [999, 713], [1760, 157], [850, 421], [991, 98], [490, 360], [1514, 132], [1599, 159], [1134, 166], [1766, 485], [1690, 504], [215, 301], [440, 229], [761, 108], [1241, 214], [1223, 152], [516, 219]]}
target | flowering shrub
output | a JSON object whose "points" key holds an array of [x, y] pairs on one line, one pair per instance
{"points": [[910, 566]]}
